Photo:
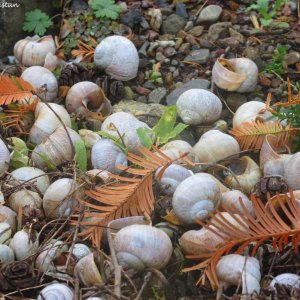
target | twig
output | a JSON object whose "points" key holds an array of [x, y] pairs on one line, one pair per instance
{"points": [[146, 280]]}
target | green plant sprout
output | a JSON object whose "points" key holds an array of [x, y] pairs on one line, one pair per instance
{"points": [[278, 65], [154, 75]]}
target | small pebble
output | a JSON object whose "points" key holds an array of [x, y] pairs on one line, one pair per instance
{"points": [[210, 13]]}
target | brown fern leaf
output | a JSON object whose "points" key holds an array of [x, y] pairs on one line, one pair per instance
{"points": [[14, 89], [126, 196], [268, 226], [251, 135], [85, 51]]}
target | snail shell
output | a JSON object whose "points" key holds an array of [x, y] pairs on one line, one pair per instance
{"points": [[195, 197], [106, 155], [172, 177], [214, 146], [6, 254], [32, 51], [81, 250], [126, 124], [46, 121], [139, 246], [24, 198], [118, 57], [56, 148], [291, 171], [233, 267], [237, 74], [4, 158], [88, 99], [247, 173], [32, 176], [199, 106], [5, 233], [175, 149], [40, 76], [250, 111], [87, 271], [61, 198], [289, 280], [8, 216], [56, 291], [89, 137]]}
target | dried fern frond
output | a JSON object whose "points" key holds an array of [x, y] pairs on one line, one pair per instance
{"points": [[85, 51], [268, 226], [251, 135], [14, 89], [126, 196]]}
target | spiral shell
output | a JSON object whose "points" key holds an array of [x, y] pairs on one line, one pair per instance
{"points": [[6, 254], [289, 280], [199, 106], [5, 233], [24, 198], [81, 250], [40, 76], [56, 291], [106, 155], [138, 246], [291, 171], [4, 158], [32, 51], [175, 149], [118, 57], [237, 74], [8, 216], [89, 137]]}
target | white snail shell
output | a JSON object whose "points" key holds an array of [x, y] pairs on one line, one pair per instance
{"points": [[195, 197], [5, 232], [172, 177], [87, 271], [241, 78], [32, 51], [87, 98], [61, 198], [246, 171], [199, 106], [289, 280], [214, 146], [22, 244], [250, 111], [291, 171], [175, 149], [81, 250], [139, 246], [233, 268], [127, 125], [4, 158], [56, 148], [40, 76], [24, 198], [56, 291], [89, 137], [46, 121], [6, 254], [32, 176], [118, 57], [7, 215], [106, 155]]}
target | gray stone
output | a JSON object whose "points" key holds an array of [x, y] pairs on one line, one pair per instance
{"points": [[237, 35], [218, 30], [199, 56], [235, 100], [157, 95], [184, 48], [193, 84], [292, 58], [176, 73], [210, 13], [159, 56], [189, 25], [196, 31], [173, 24], [143, 49], [181, 10]]}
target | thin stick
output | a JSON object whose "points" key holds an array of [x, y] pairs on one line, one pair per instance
{"points": [[146, 280]]}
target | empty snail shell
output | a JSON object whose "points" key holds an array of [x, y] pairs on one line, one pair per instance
{"points": [[56, 148], [61, 198], [46, 121], [6, 254], [81, 250], [40, 76], [88, 99], [32, 51], [199, 106], [118, 57], [171, 178], [24, 198], [89, 137], [250, 111], [215, 145], [175, 149], [106, 155], [291, 171], [7, 215], [139, 246], [237, 74], [289, 280], [195, 197], [56, 291], [234, 269], [246, 171], [5, 233], [87, 271], [124, 124], [26, 240], [232, 199], [4, 158], [31, 176]]}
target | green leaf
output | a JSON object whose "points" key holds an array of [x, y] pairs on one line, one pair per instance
{"points": [[81, 155], [281, 25], [50, 165], [265, 22], [19, 156], [37, 21], [116, 140], [106, 9], [278, 4], [146, 136], [166, 123]]}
